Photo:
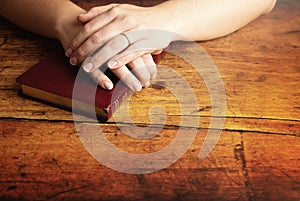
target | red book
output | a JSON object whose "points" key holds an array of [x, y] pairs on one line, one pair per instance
{"points": [[51, 81]]}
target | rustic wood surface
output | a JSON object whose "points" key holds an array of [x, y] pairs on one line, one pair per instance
{"points": [[256, 158]]}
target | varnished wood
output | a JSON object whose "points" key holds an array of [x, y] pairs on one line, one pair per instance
{"points": [[48, 161], [256, 158]]}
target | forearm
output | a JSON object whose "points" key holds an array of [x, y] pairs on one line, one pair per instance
{"points": [[52, 18], [208, 19]]}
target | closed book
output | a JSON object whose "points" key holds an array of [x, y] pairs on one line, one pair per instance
{"points": [[51, 81]]}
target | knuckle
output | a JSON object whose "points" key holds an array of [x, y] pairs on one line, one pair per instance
{"points": [[73, 45], [96, 38], [114, 45], [115, 11], [86, 30], [81, 53], [129, 21]]}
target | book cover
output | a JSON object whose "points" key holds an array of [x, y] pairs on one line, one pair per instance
{"points": [[51, 81]]}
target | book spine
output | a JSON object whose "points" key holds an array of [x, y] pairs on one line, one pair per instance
{"points": [[116, 103]]}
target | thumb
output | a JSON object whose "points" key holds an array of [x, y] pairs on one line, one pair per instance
{"points": [[85, 17], [94, 12]]}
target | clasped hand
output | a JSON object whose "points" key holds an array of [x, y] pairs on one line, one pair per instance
{"points": [[121, 37]]}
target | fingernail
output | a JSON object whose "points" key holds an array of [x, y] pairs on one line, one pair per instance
{"points": [[137, 86], [88, 67], [112, 63], [147, 84], [73, 61], [108, 85], [153, 76], [68, 52]]}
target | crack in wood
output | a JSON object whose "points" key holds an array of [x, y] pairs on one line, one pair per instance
{"points": [[5, 38], [66, 191], [165, 126], [205, 108], [239, 155], [292, 32]]}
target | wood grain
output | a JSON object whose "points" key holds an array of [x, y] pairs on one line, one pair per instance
{"points": [[48, 161], [256, 158], [257, 80]]}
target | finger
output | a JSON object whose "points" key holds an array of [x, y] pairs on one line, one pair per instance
{"points": [[151, 65], [132, 52], [94, 12], [128, 78], [87, 32], [102, 54], [140, 70], [97, 39], [103, 81], [157, 52], [141, 42], [157, 55]]}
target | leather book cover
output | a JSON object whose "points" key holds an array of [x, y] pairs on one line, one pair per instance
{"points": [[52, 81]]}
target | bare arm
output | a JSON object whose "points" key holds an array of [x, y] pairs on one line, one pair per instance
{"points": [[52, 18], [58, 19], [208, 19], [193, 19]]}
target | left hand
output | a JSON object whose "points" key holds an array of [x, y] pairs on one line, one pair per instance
{"points": [[135, 56], [108, 22], [103, 23]]}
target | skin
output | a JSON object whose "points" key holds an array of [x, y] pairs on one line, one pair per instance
{"points": [[128, 34]]}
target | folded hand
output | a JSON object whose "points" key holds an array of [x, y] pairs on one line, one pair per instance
{"points": [[119, 35]]}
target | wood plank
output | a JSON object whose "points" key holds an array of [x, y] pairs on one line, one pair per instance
{"points": [[42, 157], [260, 64], [244, 93], [27, 109], [42, 160], [46, 160], [273, 166], [258, 82]]}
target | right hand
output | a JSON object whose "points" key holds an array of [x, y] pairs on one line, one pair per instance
{"points": [[113, 43], [143, 70]]}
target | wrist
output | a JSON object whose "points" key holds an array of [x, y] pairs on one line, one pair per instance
{"points": [[67, 25], [167, 17]]}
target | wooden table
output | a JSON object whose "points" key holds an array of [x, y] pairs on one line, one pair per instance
{"points": [[256, 158]]}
